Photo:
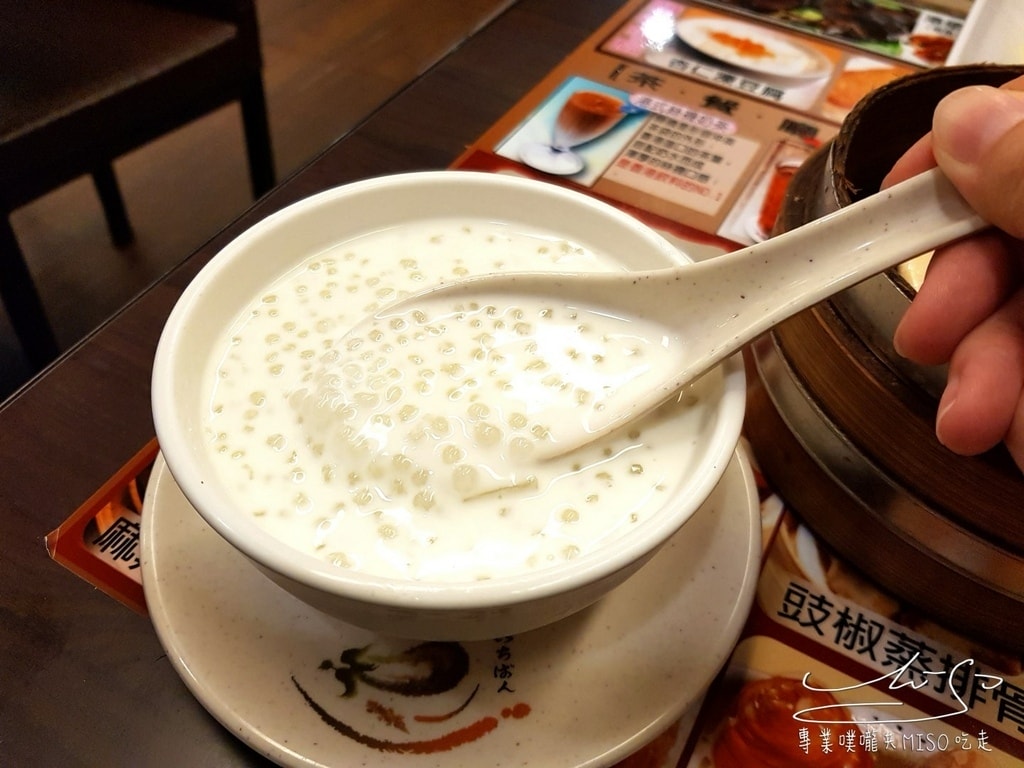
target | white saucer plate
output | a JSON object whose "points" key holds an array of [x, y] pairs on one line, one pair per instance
{"points": [[307, 690]]}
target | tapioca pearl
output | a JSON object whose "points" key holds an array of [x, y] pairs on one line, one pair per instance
{"points": [[582, 397], [451, 454], [340, 560], [465, 479], [540, 432], [454, 370], [302, 504], [569, 515], [517, 420], [478, 411], [362, 497], [520, 449], [485, 340], [424, 499], [407, 413], [459, 392], [487, 435], [376, 380], [438, 427], [382, 420], [365, 400], [402, 464]]}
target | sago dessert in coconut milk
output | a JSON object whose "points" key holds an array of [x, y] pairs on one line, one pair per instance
{"points": [[409, 450]]}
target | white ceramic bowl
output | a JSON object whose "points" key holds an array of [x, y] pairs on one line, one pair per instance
{"points": [[458, 611]]}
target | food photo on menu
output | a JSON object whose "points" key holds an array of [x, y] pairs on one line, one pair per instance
{"points": [[902, 30], [745, 56], [833, 671], [761, 57]]}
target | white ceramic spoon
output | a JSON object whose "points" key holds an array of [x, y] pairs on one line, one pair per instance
{"points": [[708, 310]]}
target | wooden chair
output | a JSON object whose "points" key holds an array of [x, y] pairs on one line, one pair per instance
{"points": [[85, 81]]}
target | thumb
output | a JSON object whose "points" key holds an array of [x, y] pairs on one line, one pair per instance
{"points": [[978, 141]]}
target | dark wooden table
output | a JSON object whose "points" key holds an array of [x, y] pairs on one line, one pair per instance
{"points": [[83, 680]]}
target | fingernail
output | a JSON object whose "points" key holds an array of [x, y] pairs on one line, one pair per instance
{"points": [[969, 121], [947, 401], [897, 341]]}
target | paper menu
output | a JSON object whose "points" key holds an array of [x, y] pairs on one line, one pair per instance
{"points": [[713, 99]]}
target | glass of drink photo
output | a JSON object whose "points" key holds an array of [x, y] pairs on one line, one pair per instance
{"points": [[585, 116]]}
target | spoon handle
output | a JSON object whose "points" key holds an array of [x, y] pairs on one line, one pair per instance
{"points": [[774, 280]]}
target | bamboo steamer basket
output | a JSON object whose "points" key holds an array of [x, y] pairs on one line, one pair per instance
{"points": [[844, 428]]}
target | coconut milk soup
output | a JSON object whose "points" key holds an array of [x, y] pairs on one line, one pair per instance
{"points": [[405, 451]]}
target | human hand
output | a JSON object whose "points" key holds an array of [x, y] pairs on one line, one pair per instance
{"points": [[969, 311]]}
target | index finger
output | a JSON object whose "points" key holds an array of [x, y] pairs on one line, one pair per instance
{"points": [[917, 159]]}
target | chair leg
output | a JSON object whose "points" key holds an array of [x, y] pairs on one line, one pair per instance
{"points": [[105, 181], [257, 137], [24, 307]]}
